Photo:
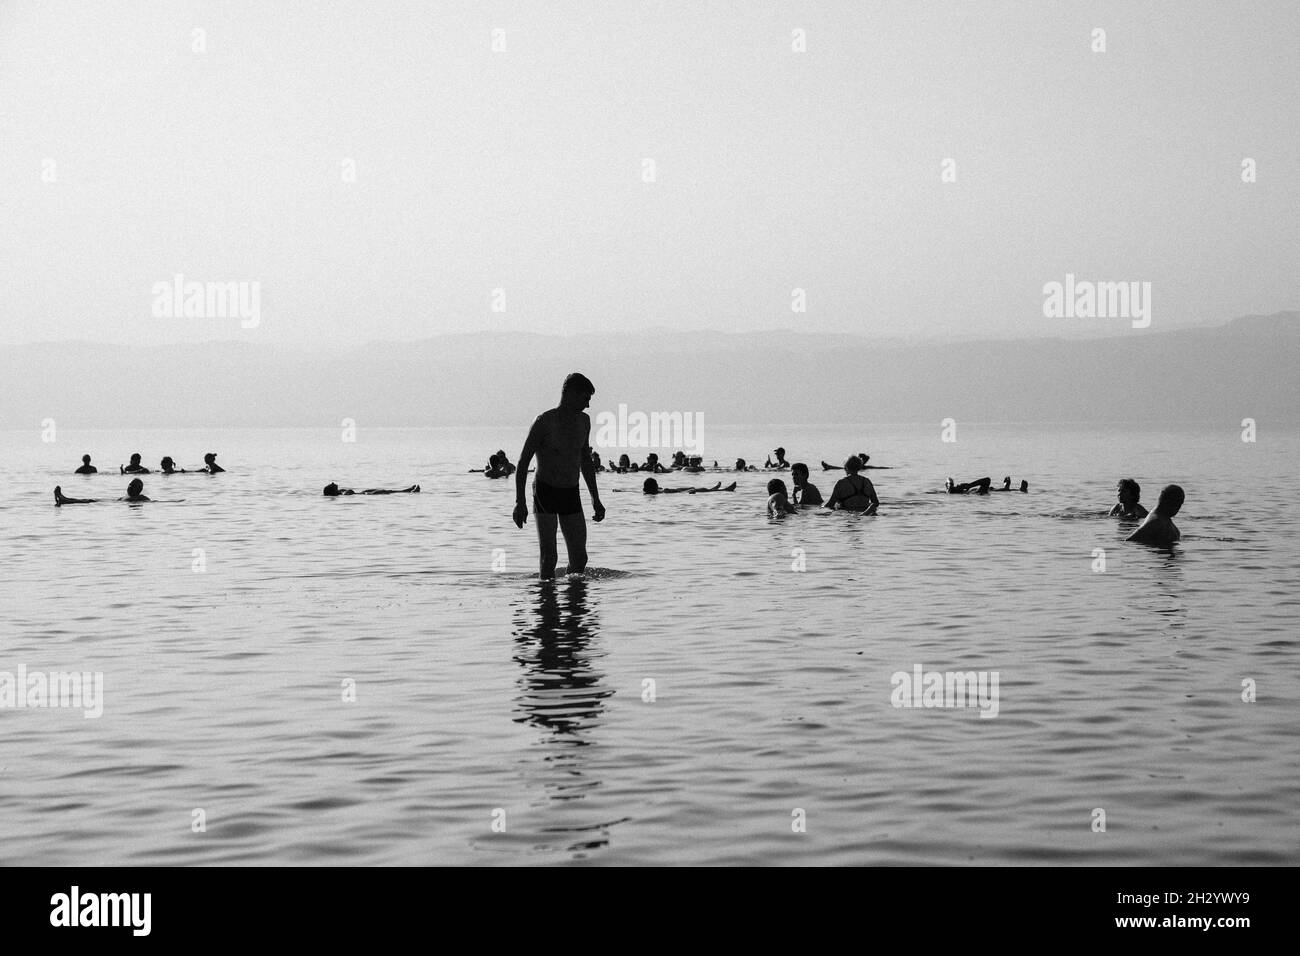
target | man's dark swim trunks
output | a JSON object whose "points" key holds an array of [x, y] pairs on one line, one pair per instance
{"points": [[549, 500]]}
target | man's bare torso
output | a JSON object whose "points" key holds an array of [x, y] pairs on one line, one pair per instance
{"points": [[561, 445]]}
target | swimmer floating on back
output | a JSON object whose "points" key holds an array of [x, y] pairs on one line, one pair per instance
{"points": [[651, 487], [134, 492], [980, 486], [334, 491]]}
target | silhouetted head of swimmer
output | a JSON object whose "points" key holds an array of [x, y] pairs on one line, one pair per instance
{"points": [[576, 393], [331, 490], [85, 459], [864, 458], [1171, 500], [853, 464], [135, 489], [209, 458], [651, 487], [740, 464], [780, 454], [168, 464], [776, 487], [135, 459], [799, 472], [624, 461], [1128, 491]]}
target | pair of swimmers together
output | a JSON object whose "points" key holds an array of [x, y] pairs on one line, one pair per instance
{"points": [[498, 466], [853, 492], [168, 466], [1157, 527]]}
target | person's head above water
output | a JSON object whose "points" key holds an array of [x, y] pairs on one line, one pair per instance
{"points": [[135, 459], [167, 463], [1128, 491], [853, 464], [210, 457], [1171, 500], [135, 488], [331, 490], [864, 458], [776, 487], [651, 487], [799, 472], [740, 464], [780, 453], [623, 461], [85, 459]]}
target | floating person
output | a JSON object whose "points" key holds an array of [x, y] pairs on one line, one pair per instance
{"points": [[862, 457], [169, 467], [494, 468], [210, 464], [854, 492], [804, 492], [86, 467], [334, 491], [778, 499], [1127, 508], [1159, 529], [742, 465], [780, 460], [980, 486], [135, 468], [560, 439], [134, 493], [651, 487]]}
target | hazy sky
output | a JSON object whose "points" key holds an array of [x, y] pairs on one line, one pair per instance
{"points": [[523, 169]]}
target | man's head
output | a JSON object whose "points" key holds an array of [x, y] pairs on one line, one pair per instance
{"points": [[167, 463], [651, 487], [1171, 500], [85, 459], [577, 391], [135, 459], [780, 454], [210, 458], [799, 472], [776, 487], [1129, 491], [135, 488], [853, 464], [740, 464]]}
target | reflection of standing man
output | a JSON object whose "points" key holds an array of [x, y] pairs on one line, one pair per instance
{"points": [[560, 438]]}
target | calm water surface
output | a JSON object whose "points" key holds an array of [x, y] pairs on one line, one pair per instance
{"points": [[482, 694]]}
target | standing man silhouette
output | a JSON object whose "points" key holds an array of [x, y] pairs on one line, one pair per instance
{"points": [[561, 440]]}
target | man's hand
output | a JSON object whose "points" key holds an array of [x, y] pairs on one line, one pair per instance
{"points": [[521, 514], [597, 509]]}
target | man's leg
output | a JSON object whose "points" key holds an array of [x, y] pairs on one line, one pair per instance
{"points": [[546, 541], [574, 527]]}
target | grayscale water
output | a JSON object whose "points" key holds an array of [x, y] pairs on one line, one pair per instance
{"points": [[480, 691]]}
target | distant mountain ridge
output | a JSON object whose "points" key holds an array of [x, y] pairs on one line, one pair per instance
{"points": [[1245, 368]]}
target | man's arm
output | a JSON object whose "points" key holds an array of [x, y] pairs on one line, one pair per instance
{"points": [[521, 476], [589, 472]]}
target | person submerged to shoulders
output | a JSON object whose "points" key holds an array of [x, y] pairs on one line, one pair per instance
{"points": [[86, 467], [780, 462], [135, 468], [210, 464], [805, 493], [1127, 508], [334, 491], [169, 467], [742, 465], [651, 487], [1159, 529], [854, 492], [778, 499]]}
